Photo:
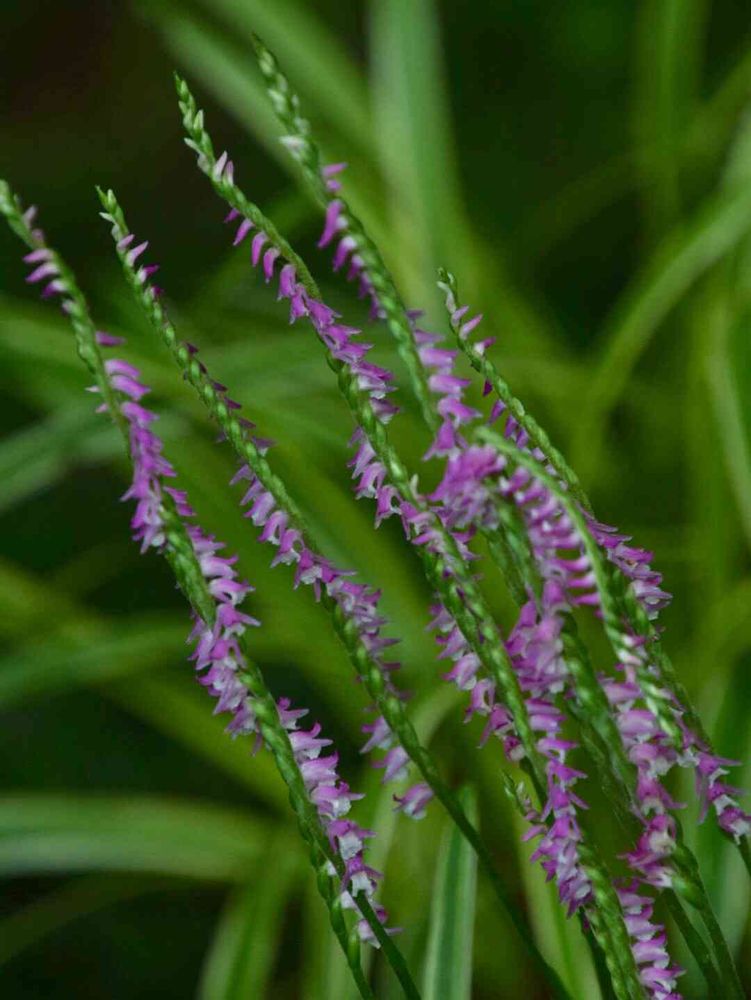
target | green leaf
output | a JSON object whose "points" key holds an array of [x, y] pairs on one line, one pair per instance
{"points": [[227, 70], [183, 713], [37, 455], [46, 834], [670, 41], [99, 652], [241, 955], [78, 898], [448, 963], [428, 223], [686, 254], [727, 367], [209, 55], [414, 135]]}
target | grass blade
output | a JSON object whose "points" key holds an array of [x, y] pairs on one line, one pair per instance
{"points": [[726, 367], [179, 710], [98, 653], [77, 898], [333, 85], [669, 49], [44, 834], [685, 255], [448, 963], [241, 955], [428, 221]]}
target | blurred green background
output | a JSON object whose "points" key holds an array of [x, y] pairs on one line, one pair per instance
{"points": [[585, 169]]}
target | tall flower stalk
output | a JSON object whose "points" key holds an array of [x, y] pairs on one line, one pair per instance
{"points": [[163, 520]]}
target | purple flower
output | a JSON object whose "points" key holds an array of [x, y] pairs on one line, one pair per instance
{"points": [[648, 943], [335, 231], [536, 651], [358, 602], [218, 655]]}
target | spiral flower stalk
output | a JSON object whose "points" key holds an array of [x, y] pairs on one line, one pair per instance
{"points": [[219, 655], [633, 562], [353, 246]]}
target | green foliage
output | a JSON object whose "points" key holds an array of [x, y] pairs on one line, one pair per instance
{"points": [[619, 292], [448, 959]]}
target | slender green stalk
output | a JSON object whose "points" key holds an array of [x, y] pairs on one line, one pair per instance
{"points": [[77, 309], [299, 140], [368, 670], [723, 956]]}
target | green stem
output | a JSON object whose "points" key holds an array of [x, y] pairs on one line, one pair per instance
{"points": [[600, 966], [699, 897], [76, 307], [745, 853]]}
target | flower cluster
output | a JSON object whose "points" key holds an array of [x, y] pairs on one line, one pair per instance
{"points": [[536, 650], [561, 557], [220, 660], [443, 381], [347, 250], [474, 479], [358, 602], [633, 562], [339, 339], [218, 654], [150, 467], [649, 945], [359, 605], [558, 846]]}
